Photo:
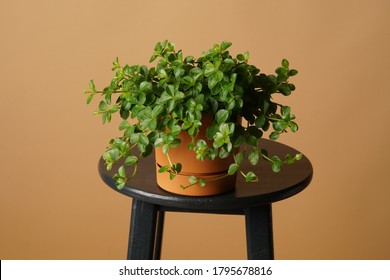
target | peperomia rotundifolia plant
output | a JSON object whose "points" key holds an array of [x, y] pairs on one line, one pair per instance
{"points": [[171, 97]]}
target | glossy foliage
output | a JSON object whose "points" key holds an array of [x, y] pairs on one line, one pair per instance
{"points": [[173, 95]]}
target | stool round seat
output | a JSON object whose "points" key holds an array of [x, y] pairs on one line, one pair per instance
{"points": [[246, 198], [271, 187]]}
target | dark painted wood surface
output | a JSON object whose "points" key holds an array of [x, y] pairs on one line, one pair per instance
{"points": [[271, 187]]}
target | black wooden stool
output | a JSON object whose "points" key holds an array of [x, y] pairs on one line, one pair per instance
{"points": [[250, 199]]}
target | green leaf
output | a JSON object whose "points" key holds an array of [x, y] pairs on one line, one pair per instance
{"points": [[276, 163], [153, 58], [246, 55], [202, 183], [124, 125], [163, 169], [280, 125], [281, 78], [238, 158], [292, 72], [211, 131], [233, 168], [148, 150], [152, 124], [165, 149], [111, 155], [241, 57], [285, 63], [293, 126], [158, 142], [192, 180], [125, 114], [108, 97], [114, 109], [179, 72], [291, 86], [231, 127], [212, 82], [225, 45], [218, 75], [227, 64], [131, 160], [175, 130], [186, 125], [141, 147], [221, 116], [219, 140], [171, 46], [189, 82], [224, 151], [104, 117], [260, 121], [286, 110], [158, 48], [196, 73], [191, 145], [251, 177], [201, 144], [179, 95], [162, 74], [92, 85], [102, 106], [284, 89], [281, 71], [146, 86], [141, 97], [224, 128], [157, 111], [251, 140], [116, 64], [129, 131], [120, 184], [143, 139], [254, 157], [274, 135], [209, 69], [89, 99], [122, 171], [188, 59], [134, 138], [231, 105], [164, 44], [289, 159], [175, 143], [298, 156], [171, 105]]}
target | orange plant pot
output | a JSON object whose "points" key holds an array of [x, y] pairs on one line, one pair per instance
{"points": [[208, 170]]}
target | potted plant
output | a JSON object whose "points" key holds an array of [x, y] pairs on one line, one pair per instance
{"points": [[215, 107]]}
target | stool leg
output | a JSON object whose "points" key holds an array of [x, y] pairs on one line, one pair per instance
{"points": [[142, 231], [259, 236], [159, 234]]}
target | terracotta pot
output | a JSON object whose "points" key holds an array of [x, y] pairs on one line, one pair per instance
{"points": [[206, 169]]}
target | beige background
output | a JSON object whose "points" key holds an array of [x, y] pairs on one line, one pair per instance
{"points": [[53, 204]]}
